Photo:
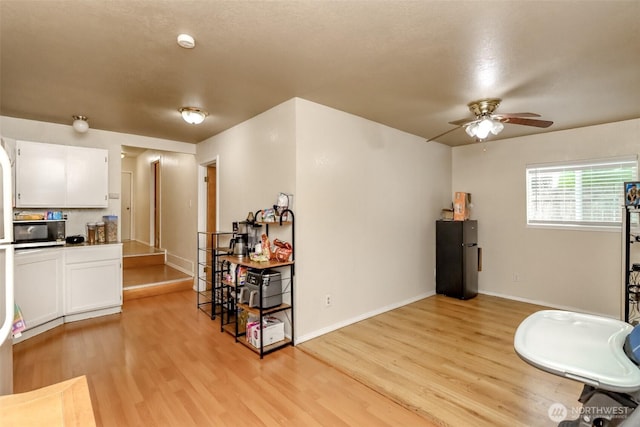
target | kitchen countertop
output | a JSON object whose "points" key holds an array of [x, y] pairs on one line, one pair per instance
{"points": [[66, 246], [85, 244]]}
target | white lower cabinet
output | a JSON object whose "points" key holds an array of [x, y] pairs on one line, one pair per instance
{"points": [[93, 278], [38, 285], [57, 285]]}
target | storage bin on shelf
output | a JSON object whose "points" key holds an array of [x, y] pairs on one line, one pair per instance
{"points": [[100, 232], [272, 331], [111, 228]]}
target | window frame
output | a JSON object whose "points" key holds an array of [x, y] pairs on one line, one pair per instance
{"points": [[584, 165]]}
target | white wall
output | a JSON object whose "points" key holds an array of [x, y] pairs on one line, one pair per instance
{"points": [[178, 205], [366, 198], [573, 269], [255, 162], [367, 201]]}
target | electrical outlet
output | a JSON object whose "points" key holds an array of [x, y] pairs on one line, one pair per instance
{"points": [[327, 300]]}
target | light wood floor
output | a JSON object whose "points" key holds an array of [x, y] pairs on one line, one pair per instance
{"points": [[163, 362], [451, 361], [439, 361], [133, 247]]}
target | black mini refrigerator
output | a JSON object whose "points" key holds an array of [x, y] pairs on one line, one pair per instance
{"points": [[457, 256]]}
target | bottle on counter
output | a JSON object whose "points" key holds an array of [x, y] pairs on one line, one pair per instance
{"points": [[100, 232], [91, 233]]}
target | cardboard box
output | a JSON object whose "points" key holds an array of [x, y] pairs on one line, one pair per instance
{"points": [[461, 208], [272, 332]]}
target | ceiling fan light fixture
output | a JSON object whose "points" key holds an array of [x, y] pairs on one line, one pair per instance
{"points": [[471, 129], [497, 127], [481, 129], [193, 115], [80, 124]]}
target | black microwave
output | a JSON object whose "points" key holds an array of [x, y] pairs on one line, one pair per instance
{"points": [[31, 234]]}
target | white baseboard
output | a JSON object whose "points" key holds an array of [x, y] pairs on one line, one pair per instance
{"points": [[545, 303], [347, 322], [181, 264], [91, 314], [32, 332]]}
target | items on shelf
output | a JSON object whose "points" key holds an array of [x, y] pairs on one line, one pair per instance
{"points": [[31, 216], [237, 274], [91, 232], [260, 305], [282, 251], [461, 206], [100, 232], [272, 331], [111, 228]]}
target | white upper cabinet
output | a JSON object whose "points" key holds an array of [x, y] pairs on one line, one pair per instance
{"points": [[61, 176], [40, 175], [87, 177]]}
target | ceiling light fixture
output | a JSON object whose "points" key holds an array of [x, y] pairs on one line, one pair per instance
{"points": [[193, 115], [80, 124], [481, 128], [186, 41]]}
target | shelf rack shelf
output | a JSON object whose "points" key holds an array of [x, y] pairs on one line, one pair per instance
{"points": [[211, 247]]}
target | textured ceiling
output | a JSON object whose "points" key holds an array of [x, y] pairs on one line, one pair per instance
{"points": [[410, 65]]}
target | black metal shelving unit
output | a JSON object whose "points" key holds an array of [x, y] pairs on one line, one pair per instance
{"points": [[631, 269], [211, 247], [232, 312]]}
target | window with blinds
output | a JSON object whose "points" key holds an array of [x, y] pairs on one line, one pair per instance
{"points": [[587, 194]]}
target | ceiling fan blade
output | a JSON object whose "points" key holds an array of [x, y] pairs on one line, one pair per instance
{"points": [[526, 122], [463, 121], [516, 115], [443, 134]]}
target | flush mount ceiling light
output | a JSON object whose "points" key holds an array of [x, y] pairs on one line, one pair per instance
{"points": [[186, 41], [193, 115], [80, 124]]}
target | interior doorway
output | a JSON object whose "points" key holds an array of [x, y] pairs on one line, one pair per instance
{"points": [[211, 199], [211, 184], [126, 209], [155, 173]]}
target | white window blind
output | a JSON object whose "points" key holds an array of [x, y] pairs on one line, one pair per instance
{"points": [[578, 194]]}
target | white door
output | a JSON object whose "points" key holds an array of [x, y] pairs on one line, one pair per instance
{"points": [[126, 206]]}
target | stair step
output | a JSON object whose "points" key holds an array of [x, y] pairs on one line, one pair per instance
{"points": [[145, 274], [157, 289], [135, 261]]}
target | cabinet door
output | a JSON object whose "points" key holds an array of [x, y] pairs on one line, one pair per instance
{"points": [[38, 285], [87, 177], [40, 175], [92, 286]]}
